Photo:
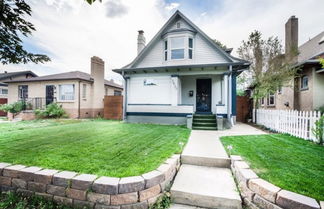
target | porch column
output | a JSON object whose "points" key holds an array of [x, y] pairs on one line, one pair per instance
{"points": [[229, 97], [175, 90]]}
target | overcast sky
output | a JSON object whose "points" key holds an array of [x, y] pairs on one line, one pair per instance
{"points": [[71, 31]]}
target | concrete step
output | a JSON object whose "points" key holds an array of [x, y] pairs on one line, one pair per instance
{"points": [[204, 120], [203, 128], [208, 124], [205, 149], [180, 206], [207, 187]]}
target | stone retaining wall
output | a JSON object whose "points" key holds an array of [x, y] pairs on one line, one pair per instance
{"points": [[260, 194], [79, 190]]}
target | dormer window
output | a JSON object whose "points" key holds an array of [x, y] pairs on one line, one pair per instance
{"points": [[190, 47], [177, 48], [165, 50]]}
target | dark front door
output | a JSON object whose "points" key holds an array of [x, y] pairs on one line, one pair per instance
{"points": [[203, 96], [49, 94]]}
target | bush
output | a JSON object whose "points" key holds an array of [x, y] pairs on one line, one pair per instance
{"points": [[318, 130], [52, 110], [13, 108], [321, 109]]}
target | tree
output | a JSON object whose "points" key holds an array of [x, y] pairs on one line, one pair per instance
{"points": [[220, 44], [321, 62], [91, 1], [270, 69], [12, 27]]}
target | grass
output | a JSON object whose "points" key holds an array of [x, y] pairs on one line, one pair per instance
{"points": [[288, 162], [104, 148]]}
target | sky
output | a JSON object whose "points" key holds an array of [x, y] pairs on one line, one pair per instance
{"points": [[70, 32]]}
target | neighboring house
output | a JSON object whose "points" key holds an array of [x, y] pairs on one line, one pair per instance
{"points": [[180, 72], [80, 94], [305, 92], [9, 76]]}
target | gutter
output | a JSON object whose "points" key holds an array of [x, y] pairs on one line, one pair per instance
{"points": [[79, 102], [125, 97]]}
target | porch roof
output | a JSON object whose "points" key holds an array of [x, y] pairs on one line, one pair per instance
{"points": [[236, 66]]}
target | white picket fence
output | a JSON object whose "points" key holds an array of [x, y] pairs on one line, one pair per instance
{"points": [[293, 122]]}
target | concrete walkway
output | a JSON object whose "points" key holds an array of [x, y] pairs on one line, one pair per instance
{"points": [[204, 179]]}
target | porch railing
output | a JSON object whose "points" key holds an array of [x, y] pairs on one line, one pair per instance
{"points": [[36, 103]]}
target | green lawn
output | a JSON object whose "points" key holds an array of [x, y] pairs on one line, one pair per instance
{"points": [[288, 162], [101, 147]]}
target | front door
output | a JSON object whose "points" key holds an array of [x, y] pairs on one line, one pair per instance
{"points": [[203, 96], [49, 94]]}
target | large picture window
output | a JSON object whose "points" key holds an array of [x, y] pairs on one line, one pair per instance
{"points": [[177, 48], [66, 92]]}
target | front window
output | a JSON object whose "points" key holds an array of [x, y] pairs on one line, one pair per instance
{"points": [[22, 91], [66, 92], [304, 82], [177, 48], [3, 91], [271, 100], [262, 101]]}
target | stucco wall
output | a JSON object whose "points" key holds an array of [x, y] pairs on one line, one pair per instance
{"points": [[318, 89], [305, 97], [38, 89]]}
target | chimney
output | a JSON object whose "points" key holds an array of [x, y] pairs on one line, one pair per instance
{"points": [[291, 38], [98, 87], [140, 41]]}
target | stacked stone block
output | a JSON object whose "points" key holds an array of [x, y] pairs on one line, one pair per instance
{"points": [[86, 190], [260, 194]]}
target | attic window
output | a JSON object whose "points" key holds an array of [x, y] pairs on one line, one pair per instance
{"points": [[177, 48], [178, 24]]}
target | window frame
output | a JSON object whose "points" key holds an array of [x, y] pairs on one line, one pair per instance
{"points": [[262, 101], [84, 91], [20, 93], [166, 50], [60, 93], [183, 48], [274, 100], [117, 94], [190, 48], [302, 87], [1, 91]]}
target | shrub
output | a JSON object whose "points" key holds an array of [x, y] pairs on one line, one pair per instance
{"points": [[13, 108], [318, 130], [321, 109], [52, 110]]}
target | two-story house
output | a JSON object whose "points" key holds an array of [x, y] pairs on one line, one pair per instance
{"points": [[181, 72]]}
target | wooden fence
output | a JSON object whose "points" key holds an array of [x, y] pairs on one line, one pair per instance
{"points": [[3, 101], [293, 122], [113, 107]]}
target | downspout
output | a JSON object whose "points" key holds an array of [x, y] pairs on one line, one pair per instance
{"points": [[229, 98], [79, 102], [125, 96]]}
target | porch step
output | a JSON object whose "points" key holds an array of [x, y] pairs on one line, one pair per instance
{"points": [[180, 206], [207, 187], [194, 127], [204, 122]]}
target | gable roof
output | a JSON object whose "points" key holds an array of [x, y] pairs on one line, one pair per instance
{"points": [[311, 49], [72, 75], [225, 55], [7, 75]]}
